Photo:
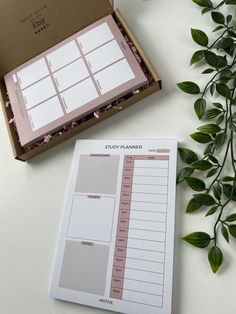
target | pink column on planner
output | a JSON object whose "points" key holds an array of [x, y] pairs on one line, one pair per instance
{"points": [[122, 229]]}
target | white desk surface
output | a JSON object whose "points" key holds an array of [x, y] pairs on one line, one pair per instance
{"points": [[31, 197]]}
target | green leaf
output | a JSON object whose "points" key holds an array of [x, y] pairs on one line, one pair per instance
{"points": [[185, 172], [201, 137], [208, 149], [232, 230], [217, 28], [197, 56], [211, 58], [205, 199], [193, 205], [209, 128], [225, 233], [211, 211], [220, 140], [189, 87], [199, 37], [227, 189], [195, 183], [208, 71], [215, 257], [230, 1], [229, 18], [227, 179], [212, 89], [217, 105], [217, 190], [198, 239], [218, 17], [206, 10], [231, 218], [225, 42], [187, 155], [229, 50], [212, 172], [213, 159], [200, 107], [221, 61], [220, 119], [223, 90], [232, 123], [232, 34], [212, 113], [202, 165], [225, 74], [204, 3]]}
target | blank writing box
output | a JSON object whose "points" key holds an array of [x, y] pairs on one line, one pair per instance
{"points": [[91, 218]]}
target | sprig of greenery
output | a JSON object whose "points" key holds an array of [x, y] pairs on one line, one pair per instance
{"points": [[213, 175]]}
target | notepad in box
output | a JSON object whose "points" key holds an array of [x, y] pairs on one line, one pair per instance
{"points": [[72, 79]]}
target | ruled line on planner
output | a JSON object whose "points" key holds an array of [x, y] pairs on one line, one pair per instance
{"points": [[143, 175], [149, 183], [148, 220], [130, 228], [140, 259], [148, 193], [158, 295], [149, 202], [148, 211], [142, 239], [159, 306], [131, 247], [149, 167], [154, 283], [148, 271]]}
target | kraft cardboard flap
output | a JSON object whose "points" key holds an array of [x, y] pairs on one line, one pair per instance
{"points": [[28, 27]]}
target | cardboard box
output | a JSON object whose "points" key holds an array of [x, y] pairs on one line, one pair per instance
{"points": [[36, 26]]}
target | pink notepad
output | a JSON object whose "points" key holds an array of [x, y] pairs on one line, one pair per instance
{"points": [[72, 79]]}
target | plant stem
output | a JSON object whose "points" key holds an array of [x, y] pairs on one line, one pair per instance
{"points": [[222, 167]]}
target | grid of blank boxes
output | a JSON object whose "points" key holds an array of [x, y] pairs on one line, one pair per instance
{"points": [[83, 66], [138, 269]]}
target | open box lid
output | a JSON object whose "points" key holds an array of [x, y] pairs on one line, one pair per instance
{"points": [[28, 27]]}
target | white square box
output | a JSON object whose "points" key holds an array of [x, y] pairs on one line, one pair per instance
{"points": [[91, 218]]}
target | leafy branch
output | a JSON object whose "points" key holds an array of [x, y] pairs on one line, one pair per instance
{"points": [[213, 174]]}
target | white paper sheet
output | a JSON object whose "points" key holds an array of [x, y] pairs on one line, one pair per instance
{"points": [[33, 73], [113, 76], [95, 38], [119, 220], [37, 115]]}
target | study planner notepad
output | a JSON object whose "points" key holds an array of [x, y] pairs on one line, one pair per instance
{"points": [[115, 245], [72, 79]]}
